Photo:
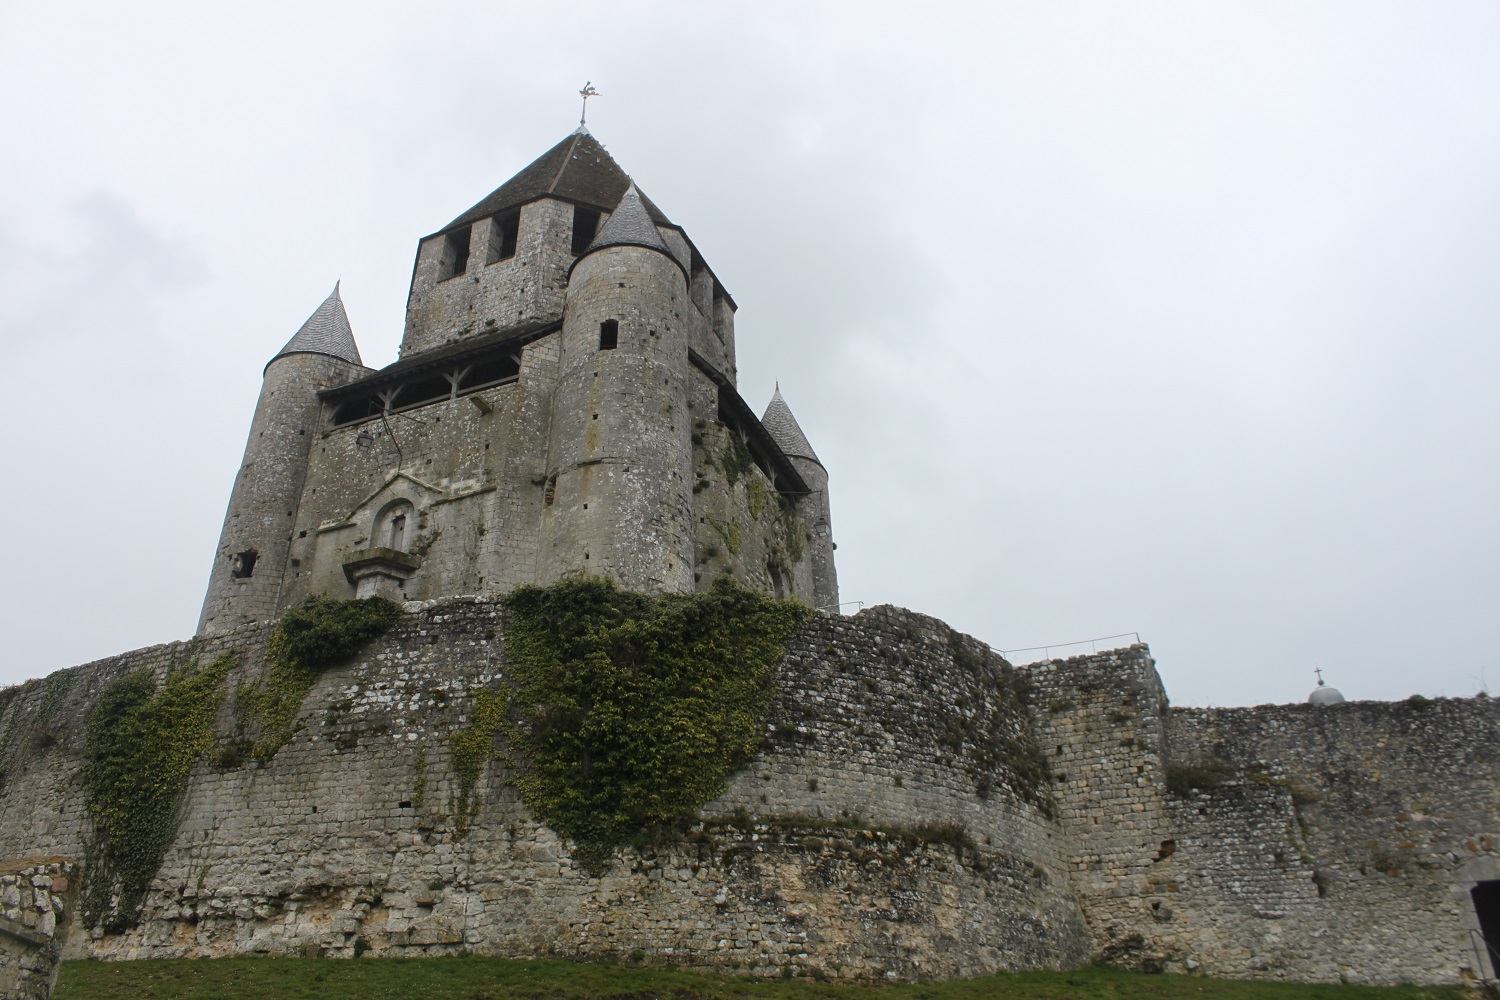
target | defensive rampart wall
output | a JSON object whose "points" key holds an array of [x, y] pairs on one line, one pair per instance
{"points": [[906, 818], [1299, 842], [878, 833]]}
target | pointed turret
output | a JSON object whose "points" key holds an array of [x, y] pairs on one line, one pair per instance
{"points": [[815, 508], [630, 225], [326, 331], [250, 563], [782, 426]]}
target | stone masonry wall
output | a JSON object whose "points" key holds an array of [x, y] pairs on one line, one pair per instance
{"points": [[1344, 839], [873, 837], [1294, 842], [35, 897]]}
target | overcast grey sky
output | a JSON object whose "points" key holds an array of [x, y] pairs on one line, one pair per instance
{"points": [[1177, 318]]}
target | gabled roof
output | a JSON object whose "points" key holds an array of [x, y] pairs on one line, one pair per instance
{"points": [[784, 429], [325, 332], [578, 169]]}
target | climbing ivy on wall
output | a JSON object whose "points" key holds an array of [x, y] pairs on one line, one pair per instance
{"points": [[630, 712], [315, 634], [139, 748], [470, 749]]}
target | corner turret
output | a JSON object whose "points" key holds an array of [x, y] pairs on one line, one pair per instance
{"points": [[250, 562], [787, 433]]}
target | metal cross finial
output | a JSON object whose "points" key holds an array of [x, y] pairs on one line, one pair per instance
{"points": [[587, 92], [1319, 672]]}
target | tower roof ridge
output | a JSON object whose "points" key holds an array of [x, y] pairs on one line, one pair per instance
{"points": [[577, 169], [326, 331], [783, 427]]}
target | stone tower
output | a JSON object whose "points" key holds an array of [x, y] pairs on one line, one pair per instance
{"points": [[245, 582], [621, 443], [565, 402]]}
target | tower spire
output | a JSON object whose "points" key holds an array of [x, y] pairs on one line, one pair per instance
{"points": [[587, 92]]}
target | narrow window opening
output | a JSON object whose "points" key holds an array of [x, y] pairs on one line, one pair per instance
{"points": [[609, 335], [455, 253], [585, 225], [777, 586], [242, 564], [505, 232], [550, 493]]}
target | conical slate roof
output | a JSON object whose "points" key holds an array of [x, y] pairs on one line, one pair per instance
{"points": [[629, 225], [783, 427], [325, 332], [578, 169]]}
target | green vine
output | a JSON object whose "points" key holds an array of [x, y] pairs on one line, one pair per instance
{"points": [[471, 748], [735, 459], [140, 747], [730, 533], [791, 531], [755, 496], [315, 634], [629, 712]]}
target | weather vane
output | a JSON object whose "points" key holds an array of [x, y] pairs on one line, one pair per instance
{"points": [[587, 92]]}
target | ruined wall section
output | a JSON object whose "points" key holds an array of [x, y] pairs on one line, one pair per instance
{"points": [[445, 308], [1099, 721], [36, 895], [1343, 838], [853, 846], [1293, 842]]}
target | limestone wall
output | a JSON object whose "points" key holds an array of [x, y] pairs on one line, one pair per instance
{"points": [[873, 837], [34, 898], [1295, 842]]}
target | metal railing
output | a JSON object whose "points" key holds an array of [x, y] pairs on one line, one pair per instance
{"points": [[1017, 656]]}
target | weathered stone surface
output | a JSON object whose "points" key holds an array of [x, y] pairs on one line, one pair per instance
{"points": [[36, 897], [871, 837]]}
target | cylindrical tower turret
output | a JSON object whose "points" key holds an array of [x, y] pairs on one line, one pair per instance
{"points": [[618, 497], [250, 562], [815, 510]]}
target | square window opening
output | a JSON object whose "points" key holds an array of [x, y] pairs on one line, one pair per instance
{"points": [[585, 225], [455, 254]]}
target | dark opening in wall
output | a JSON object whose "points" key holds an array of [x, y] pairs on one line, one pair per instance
{"points": [[550, 493], [490, 372], [609, 335], [242, 564], [504, 233], [1486, 896], [420, 391], [455, 254], [585, 225]]}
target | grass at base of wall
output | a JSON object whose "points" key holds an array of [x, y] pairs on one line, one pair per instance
{"points": [[471, 978]]}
